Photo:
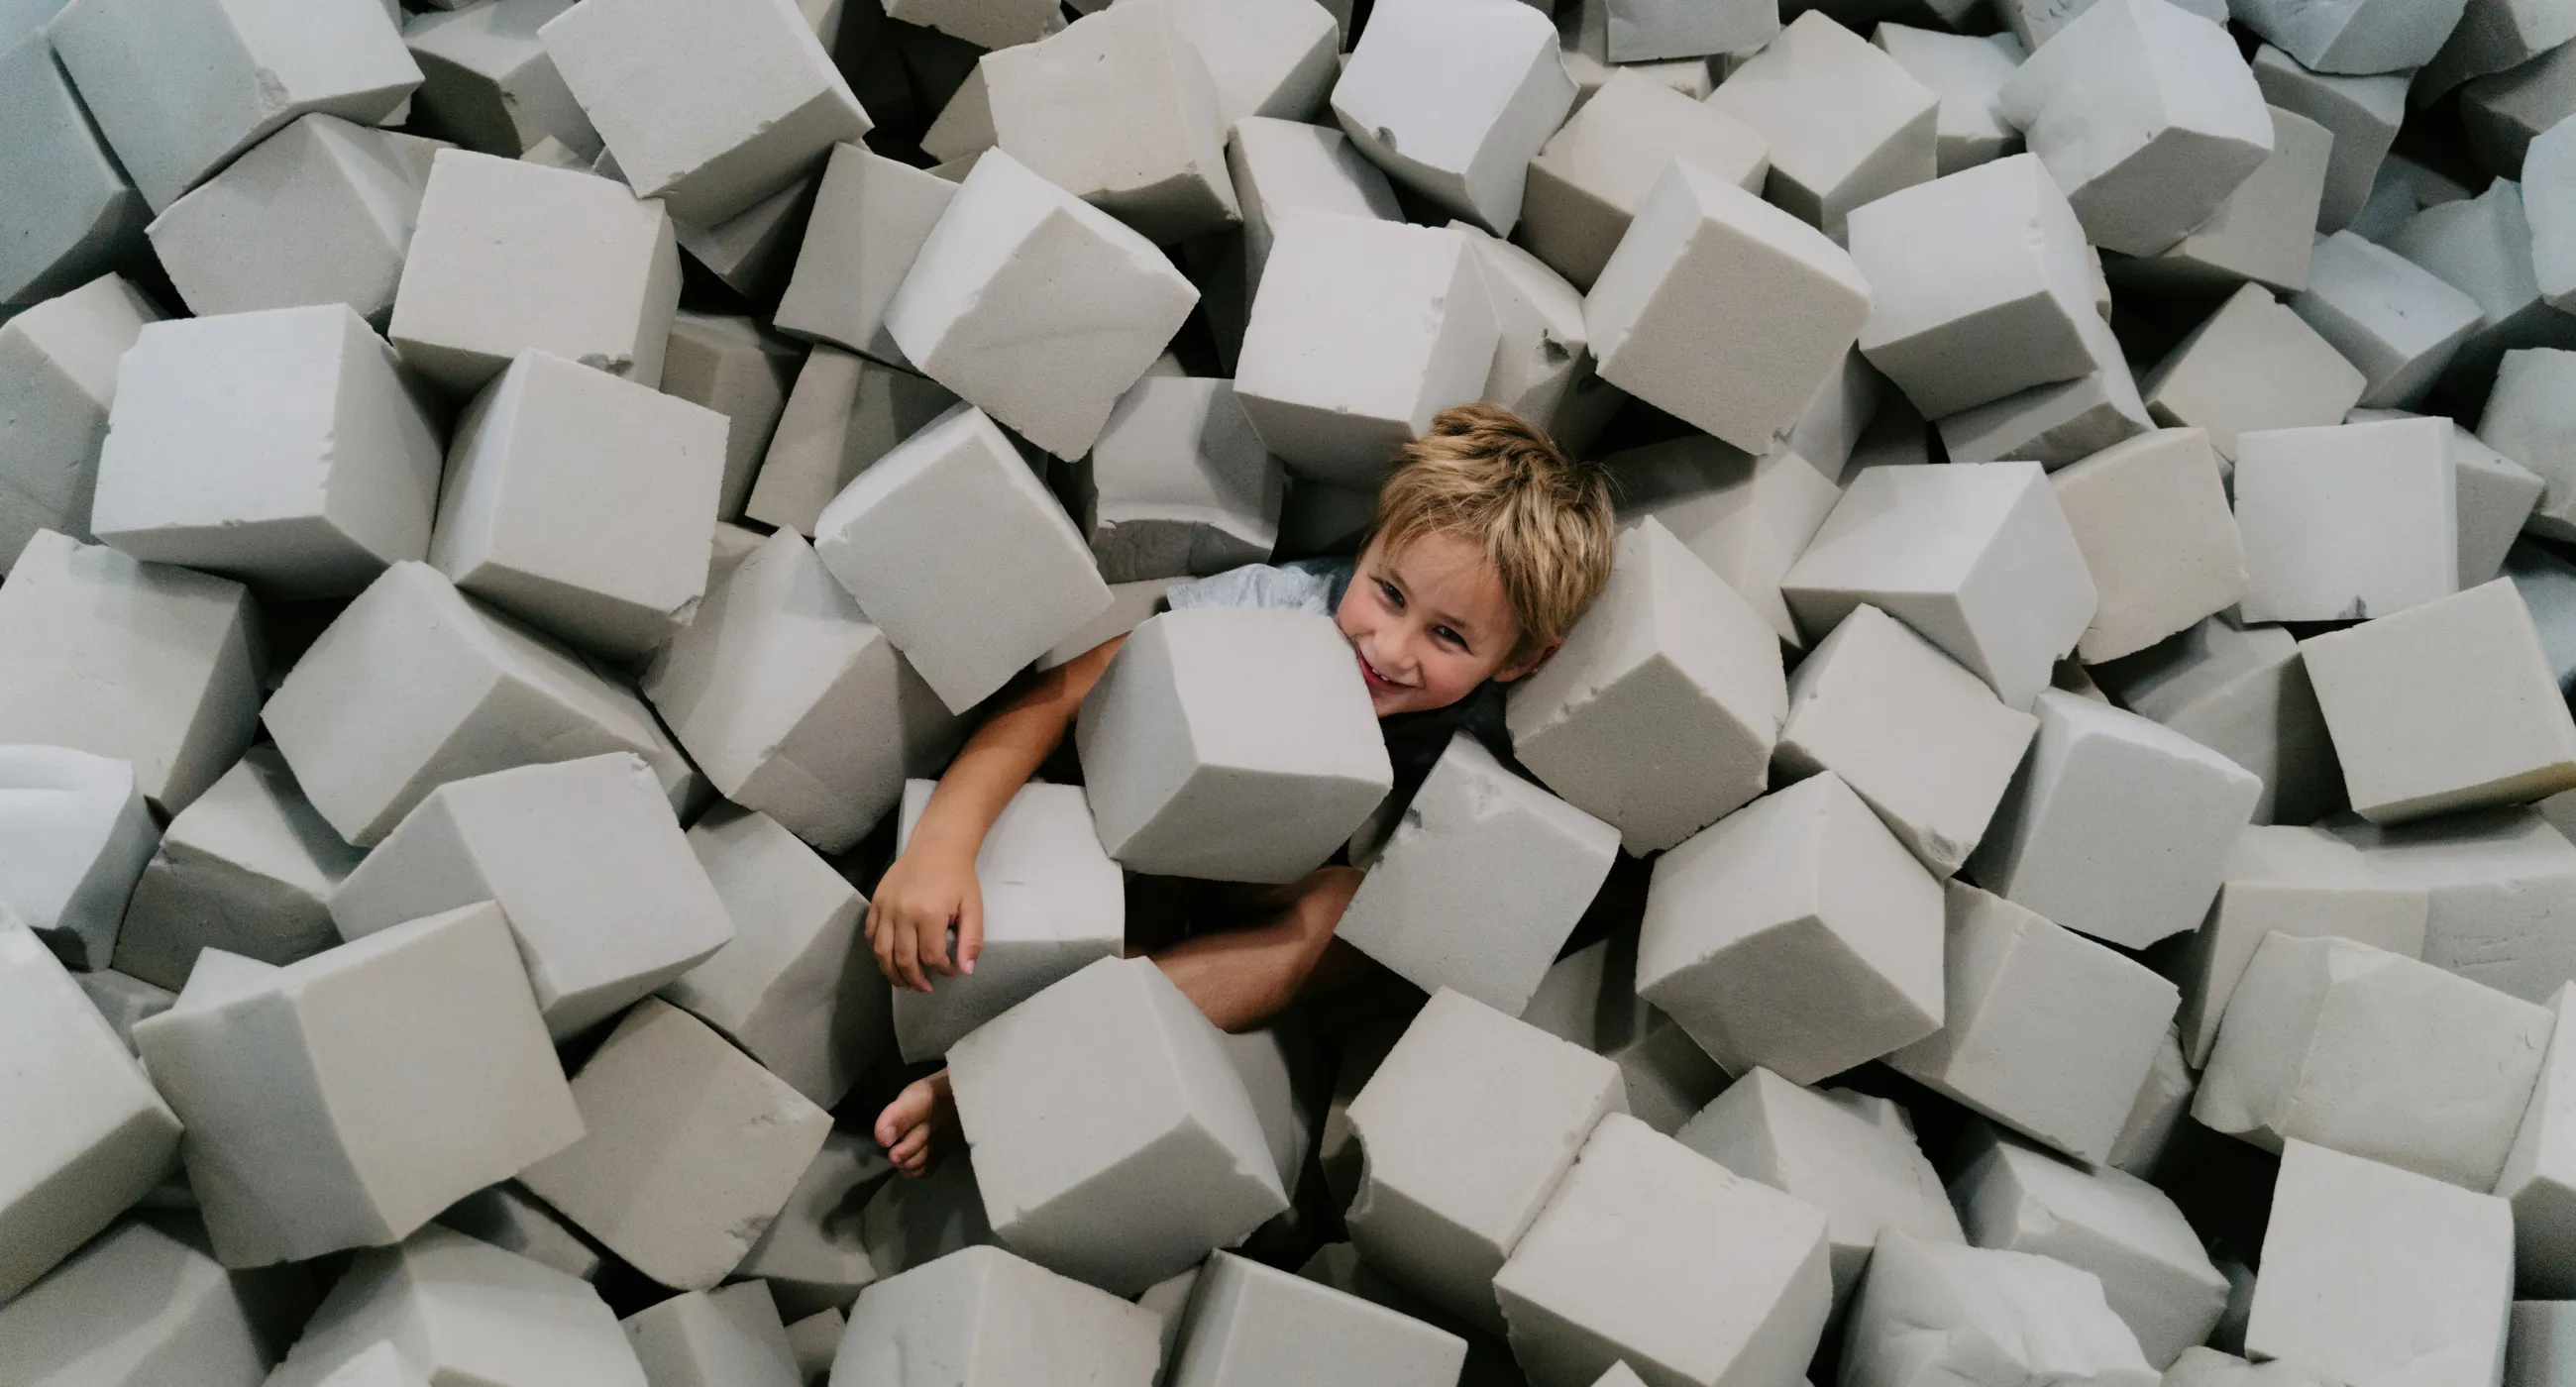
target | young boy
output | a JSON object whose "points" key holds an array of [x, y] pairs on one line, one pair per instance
{"points": [[1488, 544]]}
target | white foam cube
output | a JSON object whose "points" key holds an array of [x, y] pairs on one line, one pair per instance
{"points": [[1847, 123], [1266, 58], [814, 1255], [1452, 99], [123, 1000], [2361, 112], [1586, 184], [2012, 1047], [871, 215], [723, 1338], [2395, 320], [2370, 1271], [141, 1303], [1113, 1140], [2146, 116], [2497, 883], [1253, 1326], [2252, 365], [1967, 74], [2549, 204], [1543, 368], [58, 361], [139, 662], [1590, 998], [508, 1217], [1184, 485], [2527, 419], [2482, 247], [320, 212], [74, 837], [2262, 233], [2155, 1117], [2151, 518], [2243, 692], [2354, 36], [2053, 424], [510, 256], [1278, 165], [1954, 551], [2349, 521], [345, 1100], [2540, 1170], [2496, 496], [729, 364], [71, 213], [816, 1341], [845, 413], [1007, 1319], [907, 1223], [1747, 518], [1932, 1313], [488, 82], [1645, 30]]}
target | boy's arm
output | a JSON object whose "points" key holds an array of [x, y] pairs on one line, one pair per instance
{"points": [[932, 885]]}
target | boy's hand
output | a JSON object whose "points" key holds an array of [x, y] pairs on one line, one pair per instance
{"points": [[921, 896]]}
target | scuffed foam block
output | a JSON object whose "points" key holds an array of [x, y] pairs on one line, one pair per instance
{"points": [[1722, 309], [345, 1100], [179, 89], [2152, 520], [1543, 367], [2395, 320], [1481, 882], [2362, 113], [2208, 380], [1113, 1140], [1586, 184], [511, 256], [796, 987], [2528, 419], [1452, 99], [58, 365], [2370, 1271], [448, 1307], [320, 212], [1120, 111], [507, 1217], [1660, 713], [1231, 743], [1590, 998], [97, 1136], [1747, 518], [1280, 165], [71, 213], [724, 1338], [1979, 286], [1919, 738], [140, 662], [2449, 705], [871, 215], [1931, 1313], [1053, 903], [2243, 692], [1273, 58], [2540, 1170], [732, 365], [1362, 332], [2354, 36], [1011, 1320], [1651, 1254], [2015, 1044], [74, 837], [2336, 1042], [1967, 75], [1847, 124], [1183, 484], [1849, 1154], [1957, 553], [1797, 934], [2154, 1274], [2263, 232], [488, 82], [2146, 116], [709, 106], [139, 1304], [845, 413], [2497, 882], [690, 1148], [1254, 1326], [249, 868], [814, 1255], [1466, 1127], [961, 556], [2481, 246], [1035, 305], [2155, 1117], [2301, 882]]}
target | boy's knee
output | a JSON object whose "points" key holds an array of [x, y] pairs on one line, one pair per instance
{"points": [[1324, 894]]}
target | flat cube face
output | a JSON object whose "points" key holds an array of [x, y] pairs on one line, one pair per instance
{"points": [[1114, 111], [1255, 1326], [78, 836], [59, 363], [1454, 101], [1587, 183], [2164, 484], [1847, 124], [2359, 520], [320, 212], [79, 212], [1006, 1316], [2299, 882], [1185, 484], [871, 215], [2207, 381]]}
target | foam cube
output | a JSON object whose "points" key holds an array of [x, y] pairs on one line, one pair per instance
{"points": [[816, 1341], [1053, 903], [1253, 1326], [793, 703], [1649, 1253], [1967, 74], [2369, 1270], [2361, 36], [990, 309], [412, 686], [76, 836], [2262, 233], [2155, 1117], [2146, 116], [1931, 1312], [2116, 826], [2362, 113], [71, 213], [1722, 309], [2395, 320], [1954, 552], [2151, 518], [845, 413], [1282, 164], [2346, 522], [141, 1303], [1112, 1138], [510, 256], [1645, 30], [1467, 1081], [180, 89], [871, 215], [282, 447], [507, 1217], [2549, 204], [2540, 1170], [2496, 883], [2013, 1048], [2208, 380], [2311, 1051], [59, 364], [1849, 1154], [1271, 59], [1184, 485], [1452, 99], [320, 212], [2482, 247], [345, 1100], [813, 1256], [1747, 518], [729, 364], [1847, 124], [138, 662], [1798, 935], [1586, 184], [488, 82], [1011, 1319], [1543, 368], [2053, 424], [1590, 997], [124, 1001], [2527, 420], [2243, 692], [2496, 495], [724, 1338], [248, 868], [908, 1223]]}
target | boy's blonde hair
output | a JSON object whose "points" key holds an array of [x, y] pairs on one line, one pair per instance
{"points": [[1542, 518]]}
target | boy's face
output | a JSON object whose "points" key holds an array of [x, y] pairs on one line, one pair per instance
{"points": [[1429, 623]]}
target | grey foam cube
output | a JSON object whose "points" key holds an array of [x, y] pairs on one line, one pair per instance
{"points": [[1543, 369], [2494, 882], [1967, 73], [871, 216], [1183, 483], [723, 1338], [488, 82], [2538, 1176], [1590, 998], [1254, 1326], [814, 1255], [731, 364], [1747, 518], [2152, 520], [71, 213], [2527, 420], [508, 1217], [2264, 230], [1586, 183], [1013, 1321], [2362, 113], [2243, 692], [2053, 424], [1848, 124], [124, 1001], [2397, 321], [320, 212], [1280, 164], [1273, 59], [846, 412], [1113, 1140], [2206, 381], [2482, 247], [77, 837], [1930, 1311], [144, 1302], [1452, 100], [2358, 36], [59, 361], [908, 1223]]}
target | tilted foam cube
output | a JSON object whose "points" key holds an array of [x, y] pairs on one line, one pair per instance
{"points": [[2496, 496], [70, 213], [1797, 934], [2252, 365], [2361, 112], [1651, 1254], [2374, 1054], [1273, 58], [2243, 692], [741, 250], [140, 1303], [1036, 306], [1660, 713], [1011, 1320], [1543, 369], [1232, 744], [2395, 320], [508, 1217], [1747, 518], [2264, 230], [2527, 419], [320, 212], [1933, 1313], [731, 364], [979, 22], [510, 256], [283, 447], [74, 837], [2549, 205], [1254, 1326], [845, 413], [814, 1255], [180, 89], [1590, 998], [97, 1136], [1954, 552], [1113, 1141], [139, 662], [57, 382], [1723, 310], [1452, 99], [1645, 30], [1053, 903], [345, 1100], [123, 1000], [1848, 124], [2151, 518], [710, 106], [488, 83], [2059, 423], [871, 215], [2015, 1046], [2371, 1272], [2354, 36], [1282, 164], [815, 1341], [2482, 247], [1849, 1154], [1183, 484], [907, 1223], [2155, 1116], [2540, 1170], [2146, 116], [1586, 183], [2497, 882], [724, 1338], [1966, 73]]}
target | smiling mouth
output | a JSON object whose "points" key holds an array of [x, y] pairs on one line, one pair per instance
{"points": [[1369, 672]]}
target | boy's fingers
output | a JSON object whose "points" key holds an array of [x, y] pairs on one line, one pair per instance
{"points": [[934, 947], [970, 933], [909, 954]]}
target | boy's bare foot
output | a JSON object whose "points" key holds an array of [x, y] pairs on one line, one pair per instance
{"points": [[919, 1126]]}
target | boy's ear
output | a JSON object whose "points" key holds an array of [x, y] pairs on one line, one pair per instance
{"points": [[1526, 665]]}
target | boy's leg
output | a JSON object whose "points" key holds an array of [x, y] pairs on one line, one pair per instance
{"points": [[1242, 977]]}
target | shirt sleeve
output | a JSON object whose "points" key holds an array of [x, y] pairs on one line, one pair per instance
{"points": [[1312, 586]]}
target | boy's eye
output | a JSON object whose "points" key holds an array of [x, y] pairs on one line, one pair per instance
{"points": [[1450, 635], [1388, 591]]}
